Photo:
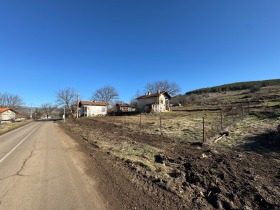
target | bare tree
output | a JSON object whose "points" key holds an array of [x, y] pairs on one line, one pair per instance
{"points": [[106, 94], [138, 93], [133, 102], [10, 100], [66, 97], [38, 113], [47, 108], [171, 87]]}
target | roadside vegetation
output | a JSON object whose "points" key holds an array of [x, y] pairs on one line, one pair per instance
{"points": [[7, 127]]}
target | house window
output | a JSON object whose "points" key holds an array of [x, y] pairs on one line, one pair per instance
{"points": [[161, 101]]}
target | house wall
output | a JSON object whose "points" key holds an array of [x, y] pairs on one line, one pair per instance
{"points": [[158, 108], [142, 102], [123, 109], [7, 115], [93, 110]]}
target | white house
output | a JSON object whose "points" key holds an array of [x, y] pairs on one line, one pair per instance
{"points": [[7, 114], [154, 102], [92, 108]]}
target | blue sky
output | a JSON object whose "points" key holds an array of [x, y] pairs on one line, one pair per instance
{"points": [[49, 45]]}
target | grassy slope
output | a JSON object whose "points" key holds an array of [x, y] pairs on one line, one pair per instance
{"points": [[269, 95], [7, 127], [251, 85]]}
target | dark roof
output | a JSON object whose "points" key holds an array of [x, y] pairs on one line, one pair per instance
{"points": [[93, 103], [122, 105], [152, 95]]}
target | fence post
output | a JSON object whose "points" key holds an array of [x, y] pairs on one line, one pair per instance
{"points": [[221, 113], [232, 115], [242, 111], [203, 130], [160, 127], [140, 123]]}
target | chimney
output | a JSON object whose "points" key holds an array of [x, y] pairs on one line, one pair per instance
{"points": [[149, 93], [158, 92]]}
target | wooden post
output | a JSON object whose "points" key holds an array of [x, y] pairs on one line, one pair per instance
{"points": [[140, 122], [203, 130], [232, 115], [160, 127], [242, 111], [221, 115]]}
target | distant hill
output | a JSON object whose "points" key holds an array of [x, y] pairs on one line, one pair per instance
{"points": [[236, 86], [267, 91]]}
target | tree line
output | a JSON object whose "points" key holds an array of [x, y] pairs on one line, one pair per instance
{"points": [[68, 98], [10, 100], [251, 85]]}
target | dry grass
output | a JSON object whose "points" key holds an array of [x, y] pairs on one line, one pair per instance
{"points": [[7, 127], [242, 131], [187, 126], [137, 154]]}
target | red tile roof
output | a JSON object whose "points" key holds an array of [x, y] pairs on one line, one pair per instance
{"points": [[93, 103], [4, 109]]}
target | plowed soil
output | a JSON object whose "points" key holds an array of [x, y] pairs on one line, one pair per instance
{"points": [[170, 174]]}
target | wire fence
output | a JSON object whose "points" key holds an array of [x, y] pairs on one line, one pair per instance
{"points": [[191, 125]]}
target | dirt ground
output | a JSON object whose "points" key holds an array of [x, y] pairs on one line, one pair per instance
{"points": [[145, 170]]}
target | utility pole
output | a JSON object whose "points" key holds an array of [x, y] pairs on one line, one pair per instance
{"points": [[77, 114], [31, 112], [64, 111], [64, 105]]}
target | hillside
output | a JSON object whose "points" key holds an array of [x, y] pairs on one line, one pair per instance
{"points": [[213, 152], [259, 92], [250, 85]]}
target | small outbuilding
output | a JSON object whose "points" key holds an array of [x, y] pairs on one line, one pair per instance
{"points": [[123, 107], [93, 108]]}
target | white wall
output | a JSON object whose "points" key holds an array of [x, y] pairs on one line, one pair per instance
{"points": [[161, 100], [7, 115], [95, 110]]}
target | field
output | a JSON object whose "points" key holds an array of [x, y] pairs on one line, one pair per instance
{"points": [[169, 161]]}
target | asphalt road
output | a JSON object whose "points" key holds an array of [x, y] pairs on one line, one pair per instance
{"points": [[37, 172]]}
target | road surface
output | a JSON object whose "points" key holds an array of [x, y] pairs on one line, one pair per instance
{"points": [[37, 171]]}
